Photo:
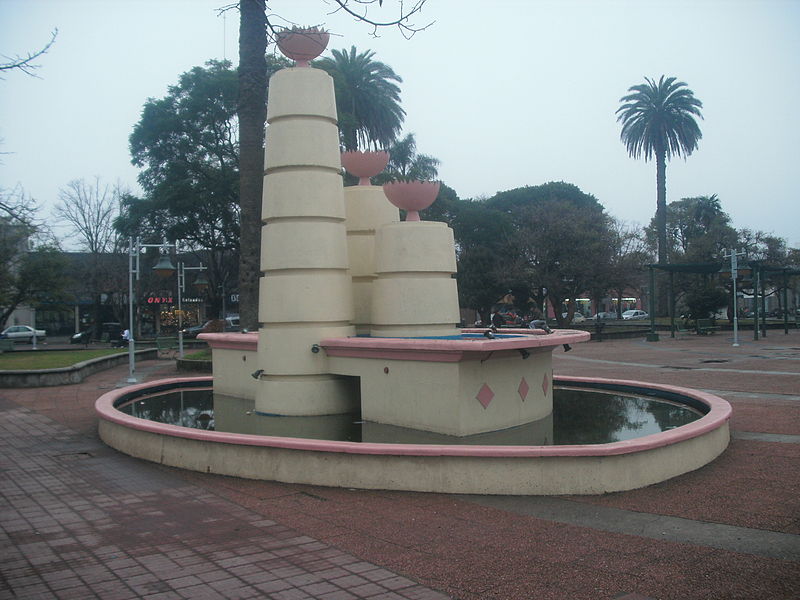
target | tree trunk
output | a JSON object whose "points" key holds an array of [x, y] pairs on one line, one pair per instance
{"points": [[661, 205], [252, 116], [663, 299]]}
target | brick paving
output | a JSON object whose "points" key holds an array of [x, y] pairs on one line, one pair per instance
{"points": [[80, 520]]}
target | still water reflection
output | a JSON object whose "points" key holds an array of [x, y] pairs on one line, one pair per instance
{"points": [[580, 416]]}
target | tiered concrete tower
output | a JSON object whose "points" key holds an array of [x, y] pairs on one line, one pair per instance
{"points": [[305, 292], [415, 294]]}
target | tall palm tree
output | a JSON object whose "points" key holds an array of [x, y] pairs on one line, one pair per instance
{"points": [[252, 113], [406, 164], [658, 120], [367, 99]]}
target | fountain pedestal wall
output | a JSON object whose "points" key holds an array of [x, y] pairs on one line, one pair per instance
{"points": [[453, 398], [457, 387], [305, 291]]}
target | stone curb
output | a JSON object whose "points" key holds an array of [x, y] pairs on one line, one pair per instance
{"points": [[20, 378]]}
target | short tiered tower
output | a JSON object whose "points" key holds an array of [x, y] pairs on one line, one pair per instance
{"points": [[415, 294]]}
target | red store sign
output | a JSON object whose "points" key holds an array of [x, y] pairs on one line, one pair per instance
{"points": [[159, 300]]}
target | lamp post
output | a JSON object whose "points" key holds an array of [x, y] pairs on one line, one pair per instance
{"points": [[162, 268], [734, 273], [200, 282]]}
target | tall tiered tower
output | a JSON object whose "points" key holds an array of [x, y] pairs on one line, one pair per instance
{"points": [[305, 292]]}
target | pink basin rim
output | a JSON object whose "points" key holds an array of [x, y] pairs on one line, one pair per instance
{"points": [[719, 414]]}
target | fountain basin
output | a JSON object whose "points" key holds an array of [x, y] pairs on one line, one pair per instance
{"points": [[524, 470]]}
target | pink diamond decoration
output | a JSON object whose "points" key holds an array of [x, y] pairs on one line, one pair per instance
{"points": [[523, 389], [485, 396], [545, 384]]}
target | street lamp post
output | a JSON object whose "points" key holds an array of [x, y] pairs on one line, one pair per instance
{"points": [[135, 248], [201, 281], [734, 273]]}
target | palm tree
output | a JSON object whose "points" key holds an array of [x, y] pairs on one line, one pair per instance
{"points": [[252, 113], [405, 164], [658, 120], [367, 99]]}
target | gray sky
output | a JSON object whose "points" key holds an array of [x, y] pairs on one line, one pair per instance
{"points": [[505, 93]]}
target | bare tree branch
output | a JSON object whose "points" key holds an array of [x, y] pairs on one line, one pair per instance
{"points": [[90, 211], [26, 64], [402, 22], [358, 9]]}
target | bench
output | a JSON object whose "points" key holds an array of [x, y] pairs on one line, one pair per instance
{"points": [[165, 345], [705, 326], [6, 345]]}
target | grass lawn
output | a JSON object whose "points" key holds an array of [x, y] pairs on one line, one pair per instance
{"points": [[12, 361], [204, 354]]}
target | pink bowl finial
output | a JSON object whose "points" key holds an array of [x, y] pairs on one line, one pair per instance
{"points": [[364, 164], [411, 196], [302, 44]]}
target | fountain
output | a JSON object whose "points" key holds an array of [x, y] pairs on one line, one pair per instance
{"points": [[359, 314]]}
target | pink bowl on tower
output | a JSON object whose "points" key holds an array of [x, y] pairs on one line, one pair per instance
{"points": [[364, 164], [411, 196]]}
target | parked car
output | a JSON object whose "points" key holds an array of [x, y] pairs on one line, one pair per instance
{"points": [[632, 315], [604, 316], [23, 333], [191, 332], [232, 323], [576, 318]]}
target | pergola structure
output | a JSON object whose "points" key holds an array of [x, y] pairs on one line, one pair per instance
{"points": [[756, 267], [699, 268], [760, 268]]}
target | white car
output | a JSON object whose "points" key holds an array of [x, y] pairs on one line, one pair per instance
{"points": [[630, 315], [23, 333], [576, 318]]}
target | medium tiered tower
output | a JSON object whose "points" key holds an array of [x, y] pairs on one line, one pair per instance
{"points": [[367, 211]]}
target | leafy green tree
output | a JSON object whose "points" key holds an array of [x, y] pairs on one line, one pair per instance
{"points": [[704, 299], [31, 265], [38, 276], [367, 99], [658, 121], [487, 265], [187, 145], [560, 237], [699, 229]]}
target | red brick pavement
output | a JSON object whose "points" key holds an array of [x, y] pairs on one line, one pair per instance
{"points": [[82, 521]]}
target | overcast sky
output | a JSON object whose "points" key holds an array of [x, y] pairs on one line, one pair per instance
{"points": [[505, 93]]}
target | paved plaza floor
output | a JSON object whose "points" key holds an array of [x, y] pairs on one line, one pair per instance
{"points": [[80, 520]]}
